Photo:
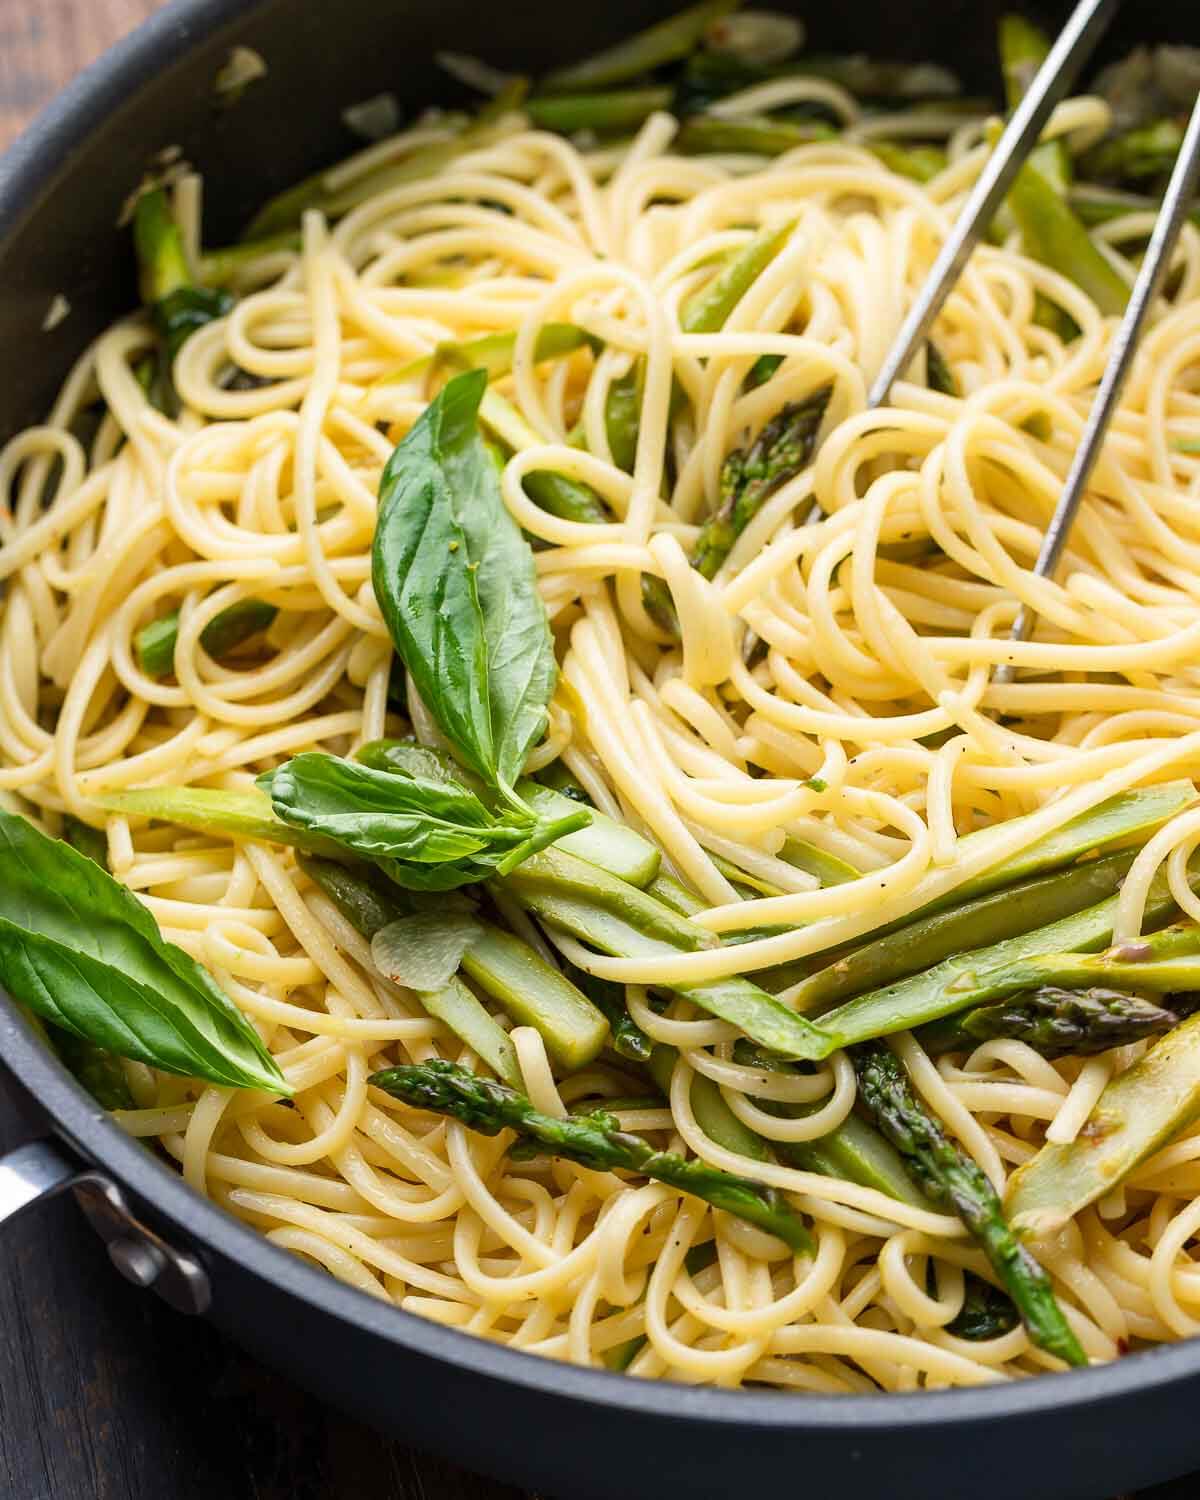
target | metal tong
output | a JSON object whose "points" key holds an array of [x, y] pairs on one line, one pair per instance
{"points": [[1054, 78]]}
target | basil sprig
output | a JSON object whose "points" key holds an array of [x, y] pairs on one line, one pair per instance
{"points": [[426, 831], [456, 585], [82, 952]]}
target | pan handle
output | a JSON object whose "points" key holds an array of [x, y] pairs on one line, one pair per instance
{"points": [[42, 1169]]}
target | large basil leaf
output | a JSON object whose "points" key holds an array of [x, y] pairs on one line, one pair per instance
{"points": [[456, 584], [81, 951]]}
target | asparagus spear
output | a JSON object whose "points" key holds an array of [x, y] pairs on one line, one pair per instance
{"points": [[625, 109], [750, 476], [974, 924], [178, 306], [950, 1177], [532, 992], [751, 135], [828, 869], [938, 374], [219, 267], [1148, 151], [1100, 205], [1050, 231], [854, 1152], [225, 632], [630, 923], [708, 310], [665, 42], [748, 479], [1053, 1021], [1139, 1111], [921, 163], [535, 994], [591, 1140], [622, 417], [1059, 953], [986, 1313], [555, 493], [493, 352]]}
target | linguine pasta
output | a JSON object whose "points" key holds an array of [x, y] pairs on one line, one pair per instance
{"points": [[832, 683]]}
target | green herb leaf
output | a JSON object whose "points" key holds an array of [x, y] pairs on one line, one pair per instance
{"points": [[456, 585], [81, 951], [424, 951]]}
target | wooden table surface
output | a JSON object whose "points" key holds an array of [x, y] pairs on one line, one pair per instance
{"points": [[105, 1394]]}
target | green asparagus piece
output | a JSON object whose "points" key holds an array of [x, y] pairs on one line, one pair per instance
{"points": [[555, 493], [622, 110], [750, 135], [828, 869], [634, 924], [921, 163], [1139, 1111], [1148, 151], [1023, 49], [938, 374], [493, 352], [1053, 1021], [219, 267], [761, 370], [615, 847], [1100, 205], [951, 1178], [370, 903], [1051, 233], [628, 1038], [535, 994], [241, 815], [178, 306], [708, 310], [1060, 953], [974, 924], [622, 417], [665, 42], [750, 476], [593, 1141], [1116, 822], [713, 1115], [854, 1152], [986, 1313], [225, 632]]}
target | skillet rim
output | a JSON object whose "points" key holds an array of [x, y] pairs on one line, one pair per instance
{"points": [[27, 170]]}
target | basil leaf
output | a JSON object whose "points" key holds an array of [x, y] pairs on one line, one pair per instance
{"points": [[457, 588], [81, 951], [388, 816]]}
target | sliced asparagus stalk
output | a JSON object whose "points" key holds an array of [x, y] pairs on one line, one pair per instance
{"points": [[243, 815], [960, 929], [753, 135], [591, 1140], [948, 1176], [665, 42], [1054, 1022], [991, 973], [492, 352], [1139, 1111], [619, 110], [555, 493], [538, 995], [854, 1152], [707, 310], [225, 632], [611, 922]]}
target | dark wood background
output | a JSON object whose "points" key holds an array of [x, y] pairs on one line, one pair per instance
{"points": [[105, 1394]]}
